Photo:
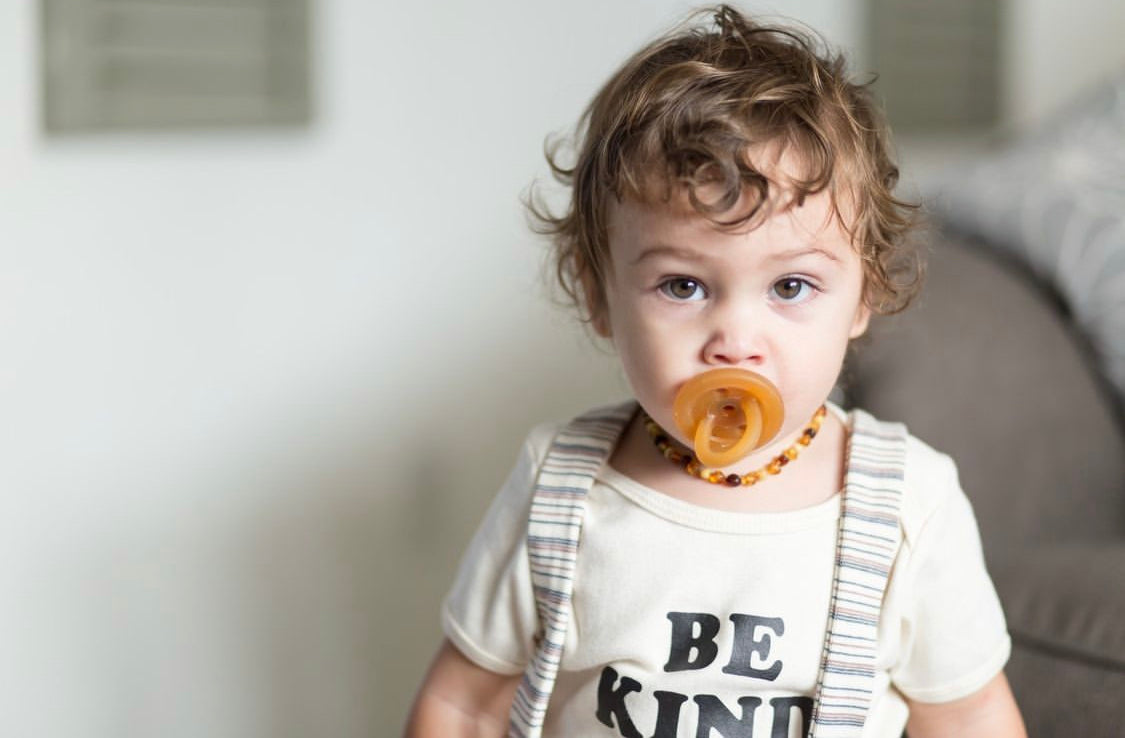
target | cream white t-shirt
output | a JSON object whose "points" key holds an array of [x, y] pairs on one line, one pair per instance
{"points": [[686, 615]]}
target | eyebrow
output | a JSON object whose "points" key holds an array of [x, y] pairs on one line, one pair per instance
{"points": [[807, 251], [687, 254], [673, 251]]}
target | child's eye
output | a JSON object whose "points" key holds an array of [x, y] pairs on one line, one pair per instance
{"points": [[683, 289], [793, 289]]}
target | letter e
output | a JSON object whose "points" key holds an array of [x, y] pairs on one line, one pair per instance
{"points": [[746, 645]]}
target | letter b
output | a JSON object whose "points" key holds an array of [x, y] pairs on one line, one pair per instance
{"points": [[685, 640]]}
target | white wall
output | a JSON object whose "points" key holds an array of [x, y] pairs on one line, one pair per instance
{"points": [[1057, 50], [227, 359]]}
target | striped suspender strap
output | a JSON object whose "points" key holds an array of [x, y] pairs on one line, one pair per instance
{"points": [[866, 546], [557, 508]]}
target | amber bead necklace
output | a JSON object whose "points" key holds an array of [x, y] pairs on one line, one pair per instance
{"points": [[687, 461]]}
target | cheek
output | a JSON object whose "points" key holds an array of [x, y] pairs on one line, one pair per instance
{"points": [[817, 355], [636, 347], [646, 353]]}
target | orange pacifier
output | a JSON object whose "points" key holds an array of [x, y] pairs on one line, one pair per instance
{"points": [[727, 413]]}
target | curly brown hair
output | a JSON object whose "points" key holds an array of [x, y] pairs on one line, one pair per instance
{"points": [[685, 112]]}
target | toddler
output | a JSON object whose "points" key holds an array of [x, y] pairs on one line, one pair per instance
{"points": [[728, 553]]}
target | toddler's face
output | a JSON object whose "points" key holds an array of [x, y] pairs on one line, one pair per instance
{"points": [[782, 299]]}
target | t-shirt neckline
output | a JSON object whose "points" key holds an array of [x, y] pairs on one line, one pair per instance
{"points": [[724, 521]]}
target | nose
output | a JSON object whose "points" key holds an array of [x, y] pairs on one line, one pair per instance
{"points": [[736, 338]]}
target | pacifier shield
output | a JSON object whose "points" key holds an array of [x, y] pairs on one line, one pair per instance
{"points": [[727, 413]]}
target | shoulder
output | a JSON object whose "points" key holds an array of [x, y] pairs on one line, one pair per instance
{"points": [[605, 422], [539, 439], [931, 485], [929, 475]]}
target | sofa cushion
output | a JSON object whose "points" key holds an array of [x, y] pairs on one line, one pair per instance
{"points": [[987, 370], [1056, 201], [1064, 606], [1067, 600], [1063, 698]]}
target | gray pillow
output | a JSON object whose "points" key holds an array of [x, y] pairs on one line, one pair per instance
{"points": [[1056, 201]]}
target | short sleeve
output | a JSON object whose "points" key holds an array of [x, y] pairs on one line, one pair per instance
{"points": [[489, 614], [955, 637]]}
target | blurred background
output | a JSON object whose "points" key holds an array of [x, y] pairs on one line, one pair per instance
{"points": [[273, 325]]}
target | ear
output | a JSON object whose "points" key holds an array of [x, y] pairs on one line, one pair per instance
{"points": [[861, 320], [595, 303], [600, 323]]}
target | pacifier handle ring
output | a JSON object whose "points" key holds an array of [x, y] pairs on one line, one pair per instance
{"points": [[752, 413], [697, 416]]}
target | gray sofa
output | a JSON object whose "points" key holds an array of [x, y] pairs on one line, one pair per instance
{"points": [[990, 368], [1014, 363]]}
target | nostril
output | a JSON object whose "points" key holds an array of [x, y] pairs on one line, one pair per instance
{"points": [[733, 359], [729, 350]]}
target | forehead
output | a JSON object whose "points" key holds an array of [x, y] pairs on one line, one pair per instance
{"points": [[783, 223]]}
